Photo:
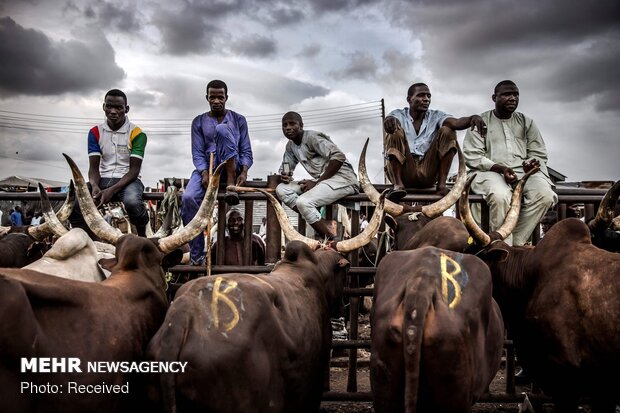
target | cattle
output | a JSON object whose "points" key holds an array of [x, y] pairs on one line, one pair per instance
{"points": [[26, 244], [73, 255], [255, 343], [437, 334], [559, 299], [47, 317], [419, 226], [605, 228]]}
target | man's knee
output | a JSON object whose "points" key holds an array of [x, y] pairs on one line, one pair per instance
{"points": [[282, 191], [547, 197], [447, 133], [499, 196]]}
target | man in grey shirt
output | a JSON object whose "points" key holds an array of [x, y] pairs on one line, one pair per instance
{"points": [[512, 146], [420, 143], [333, 175]]}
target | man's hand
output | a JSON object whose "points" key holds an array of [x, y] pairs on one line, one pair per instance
{"points": [[509, 175], [306, 185], [205, 179], [96, 191], [531, 164], [391, 124], [104, 196], [243, 176], [478, 124]]}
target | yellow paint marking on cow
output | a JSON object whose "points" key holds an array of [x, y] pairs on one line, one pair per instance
{"points": [[449, 277], [218, 296], [261, 280]]}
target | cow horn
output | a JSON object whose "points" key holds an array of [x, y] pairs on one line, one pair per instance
{"points": [[437, 208], [41, 231], [369, 189], [510, 221], [289, 231], [605, 213], [369, 232], [91, 215], [200, 220], [50, 217]]}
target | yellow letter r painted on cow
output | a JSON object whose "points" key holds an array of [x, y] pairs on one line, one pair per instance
{"points": [[221, 296], [449, 277]]}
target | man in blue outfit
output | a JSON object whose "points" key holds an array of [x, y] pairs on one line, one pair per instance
{"points": [[224, 134]]}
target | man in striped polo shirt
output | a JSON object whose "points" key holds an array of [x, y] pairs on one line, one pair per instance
{"points": [[115, 153]]}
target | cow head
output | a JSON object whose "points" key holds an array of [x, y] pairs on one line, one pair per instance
{"points": [[407, 222], [507, 263], [342, 246], [165, 245]]}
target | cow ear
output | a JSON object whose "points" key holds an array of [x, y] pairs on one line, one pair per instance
{"points": [[391, 222], [172, 258], [497, 254], [343, 263], [108, 263]]}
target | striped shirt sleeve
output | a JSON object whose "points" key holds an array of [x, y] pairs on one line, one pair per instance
{"points": [[93, 142], [137, 143]]}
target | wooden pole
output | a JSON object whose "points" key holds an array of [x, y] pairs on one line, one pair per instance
{"points": [[210, 223]]}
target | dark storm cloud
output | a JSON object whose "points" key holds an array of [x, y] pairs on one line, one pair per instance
{"points": [[549, 45], [322, 6], [124, 18], [33, 64], [276, 13], [360, 66], [254, 46], [184, 32]]}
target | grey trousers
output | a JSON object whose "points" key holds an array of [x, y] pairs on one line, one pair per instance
{"points": [[309, 202], [538, 197]]}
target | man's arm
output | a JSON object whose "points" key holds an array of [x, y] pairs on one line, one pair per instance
{"points": [[474, 151], [473, 122], [245, 151], [93, 174], [106, 195], [199, 147], [536, 148], [328, 150], [391, 124]]}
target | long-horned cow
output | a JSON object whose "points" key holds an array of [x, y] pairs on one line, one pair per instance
{"points": [[420, 226], [560, 300], [44, 317], [258, 343], [23, 245]]}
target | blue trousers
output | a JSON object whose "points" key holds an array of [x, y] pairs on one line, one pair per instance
{"points": [[225, 148]]}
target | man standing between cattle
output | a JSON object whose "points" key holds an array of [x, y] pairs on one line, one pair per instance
{"points": [[333, 175], [420, 143], [224, 134], [513, 146], [115, 153]]}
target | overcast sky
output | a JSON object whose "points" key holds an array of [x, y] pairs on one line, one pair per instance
{"points": [[331, 60]]}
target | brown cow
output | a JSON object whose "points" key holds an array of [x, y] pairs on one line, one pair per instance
{"points": [[437, 333], [25, 244], [255, 343], [560, 301], [43, 316]]}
